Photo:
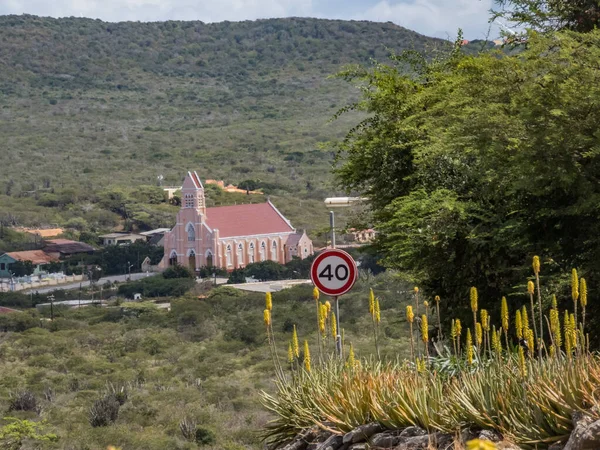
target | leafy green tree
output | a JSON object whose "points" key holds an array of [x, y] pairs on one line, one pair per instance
{"points": [[16, 431], [178, 271], [473, 164], [551, 15], [22, 268]]}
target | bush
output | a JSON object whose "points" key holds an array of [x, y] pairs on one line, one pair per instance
{"points": [[178, 271], [23, 401], [157, 287], [204, 436], [104, 411], [17, 321]]}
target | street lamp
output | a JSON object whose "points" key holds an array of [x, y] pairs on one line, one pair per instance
{"points": [[129, 266]]}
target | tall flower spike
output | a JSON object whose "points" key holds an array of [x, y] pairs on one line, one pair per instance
{"points": [[267, 317], [316, 293], [458, 327], [478, 334], [583, 292], [290, 353], [322, 317], [519, 324], [295, 346], [306, 356], [424, 329], [333, 325], [555, 327], [410, 316], [437, 299], [377, 311], [504, 314], [351, 362], [525, 319], [474, 297], [530, 287], [536, 264], [485, 319], [554, 302], [416, 289], [469, 345], [522, 364], [371, 303], [268, 301], [574, 285], [328, 306]]}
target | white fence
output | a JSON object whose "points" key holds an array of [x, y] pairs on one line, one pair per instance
{"points": [[33, 282]]}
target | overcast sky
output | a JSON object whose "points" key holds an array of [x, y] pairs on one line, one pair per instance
{"points": [[440, 18]]}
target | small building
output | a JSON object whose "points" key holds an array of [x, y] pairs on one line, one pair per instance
{"points": [[38, 258], [63, 248], [299, 245], [69, 304], [362, 236], [156, 237], [121, 238]]}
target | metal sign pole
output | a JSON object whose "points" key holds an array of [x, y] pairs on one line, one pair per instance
{"points": [[338, 338], [332, 224]]}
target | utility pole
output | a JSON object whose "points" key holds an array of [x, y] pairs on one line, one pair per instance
{"points": [[51, 298]]}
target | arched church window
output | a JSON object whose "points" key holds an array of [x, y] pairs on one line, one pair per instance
{"points": [[173, 258], [191, 232], [209, 258], [228, 255], [240, 254], [251, 252], [274, 251], [263, 251], [192, 260]]}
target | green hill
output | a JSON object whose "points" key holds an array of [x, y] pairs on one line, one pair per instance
{"points": [[87, 105]]}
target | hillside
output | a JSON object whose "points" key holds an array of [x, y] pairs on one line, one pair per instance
{"points": [[87, 104]]}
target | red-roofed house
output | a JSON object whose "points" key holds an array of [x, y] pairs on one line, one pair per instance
{"points": [[228, 236]]}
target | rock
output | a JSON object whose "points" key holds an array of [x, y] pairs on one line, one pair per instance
{"points": [[387, 439], [490, 435], [557, 446], [413, 443], [299, 444], [413, 431], [467, 435], [334, 442], [585, 436], [361, 446], [362, 433]]}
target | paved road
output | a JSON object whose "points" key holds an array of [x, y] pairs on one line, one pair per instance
{"points": [[112, 279]]}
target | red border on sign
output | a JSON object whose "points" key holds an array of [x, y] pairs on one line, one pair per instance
{"points": [[351, 278]]}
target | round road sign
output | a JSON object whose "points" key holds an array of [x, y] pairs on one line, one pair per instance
{"points": [[333, 272]]}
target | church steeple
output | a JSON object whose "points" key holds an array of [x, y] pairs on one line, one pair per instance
{"points": [[193, 193]]}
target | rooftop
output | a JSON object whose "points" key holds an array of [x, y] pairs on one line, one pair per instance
{"points": [[35, 256], [247, 220]]}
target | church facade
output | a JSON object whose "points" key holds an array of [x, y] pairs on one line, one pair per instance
{"points": [[229, 237]]}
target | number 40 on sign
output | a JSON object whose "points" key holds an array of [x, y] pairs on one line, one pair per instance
{"points": [[333, 272]]}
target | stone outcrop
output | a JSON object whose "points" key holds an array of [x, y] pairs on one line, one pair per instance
{"points": [[373, 436]]}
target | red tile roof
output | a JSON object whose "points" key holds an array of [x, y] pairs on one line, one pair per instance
{"points": [[4, 310], [247, 220], [35, 256]]}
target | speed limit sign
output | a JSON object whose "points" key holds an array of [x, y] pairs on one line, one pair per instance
{"points": [[333, 272]]}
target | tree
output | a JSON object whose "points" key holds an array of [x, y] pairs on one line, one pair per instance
{"points": [[551, 15], [474, 163], [22, 268]]}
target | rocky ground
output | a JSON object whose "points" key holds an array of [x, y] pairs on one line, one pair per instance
{"points": [[372, 436]]}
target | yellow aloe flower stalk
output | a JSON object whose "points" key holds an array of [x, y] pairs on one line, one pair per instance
{"points": [[377, 311], [333, 326], [485, 320], [552, 351], [530, 287], [267, 317], [519, 324], [583, 297], [555, 328], [522, 363], [351, 362], [504, 314], [458, 327], [478, 335], [554, 302], [322, 318], [268, 301], [410, 316], [536, 265], [290, 353], [481, 444], [328, 306], [371, 303], [316, 294], [530, 341], [295, 346], [474, 297], [469, 345], [306, 356], [424, 329], [574, 285], [524, 318]]}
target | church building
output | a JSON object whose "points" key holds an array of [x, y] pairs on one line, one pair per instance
{"points": [[229, 237]]}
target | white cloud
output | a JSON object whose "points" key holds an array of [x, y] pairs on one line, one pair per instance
{"points": [[440, 18]]}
